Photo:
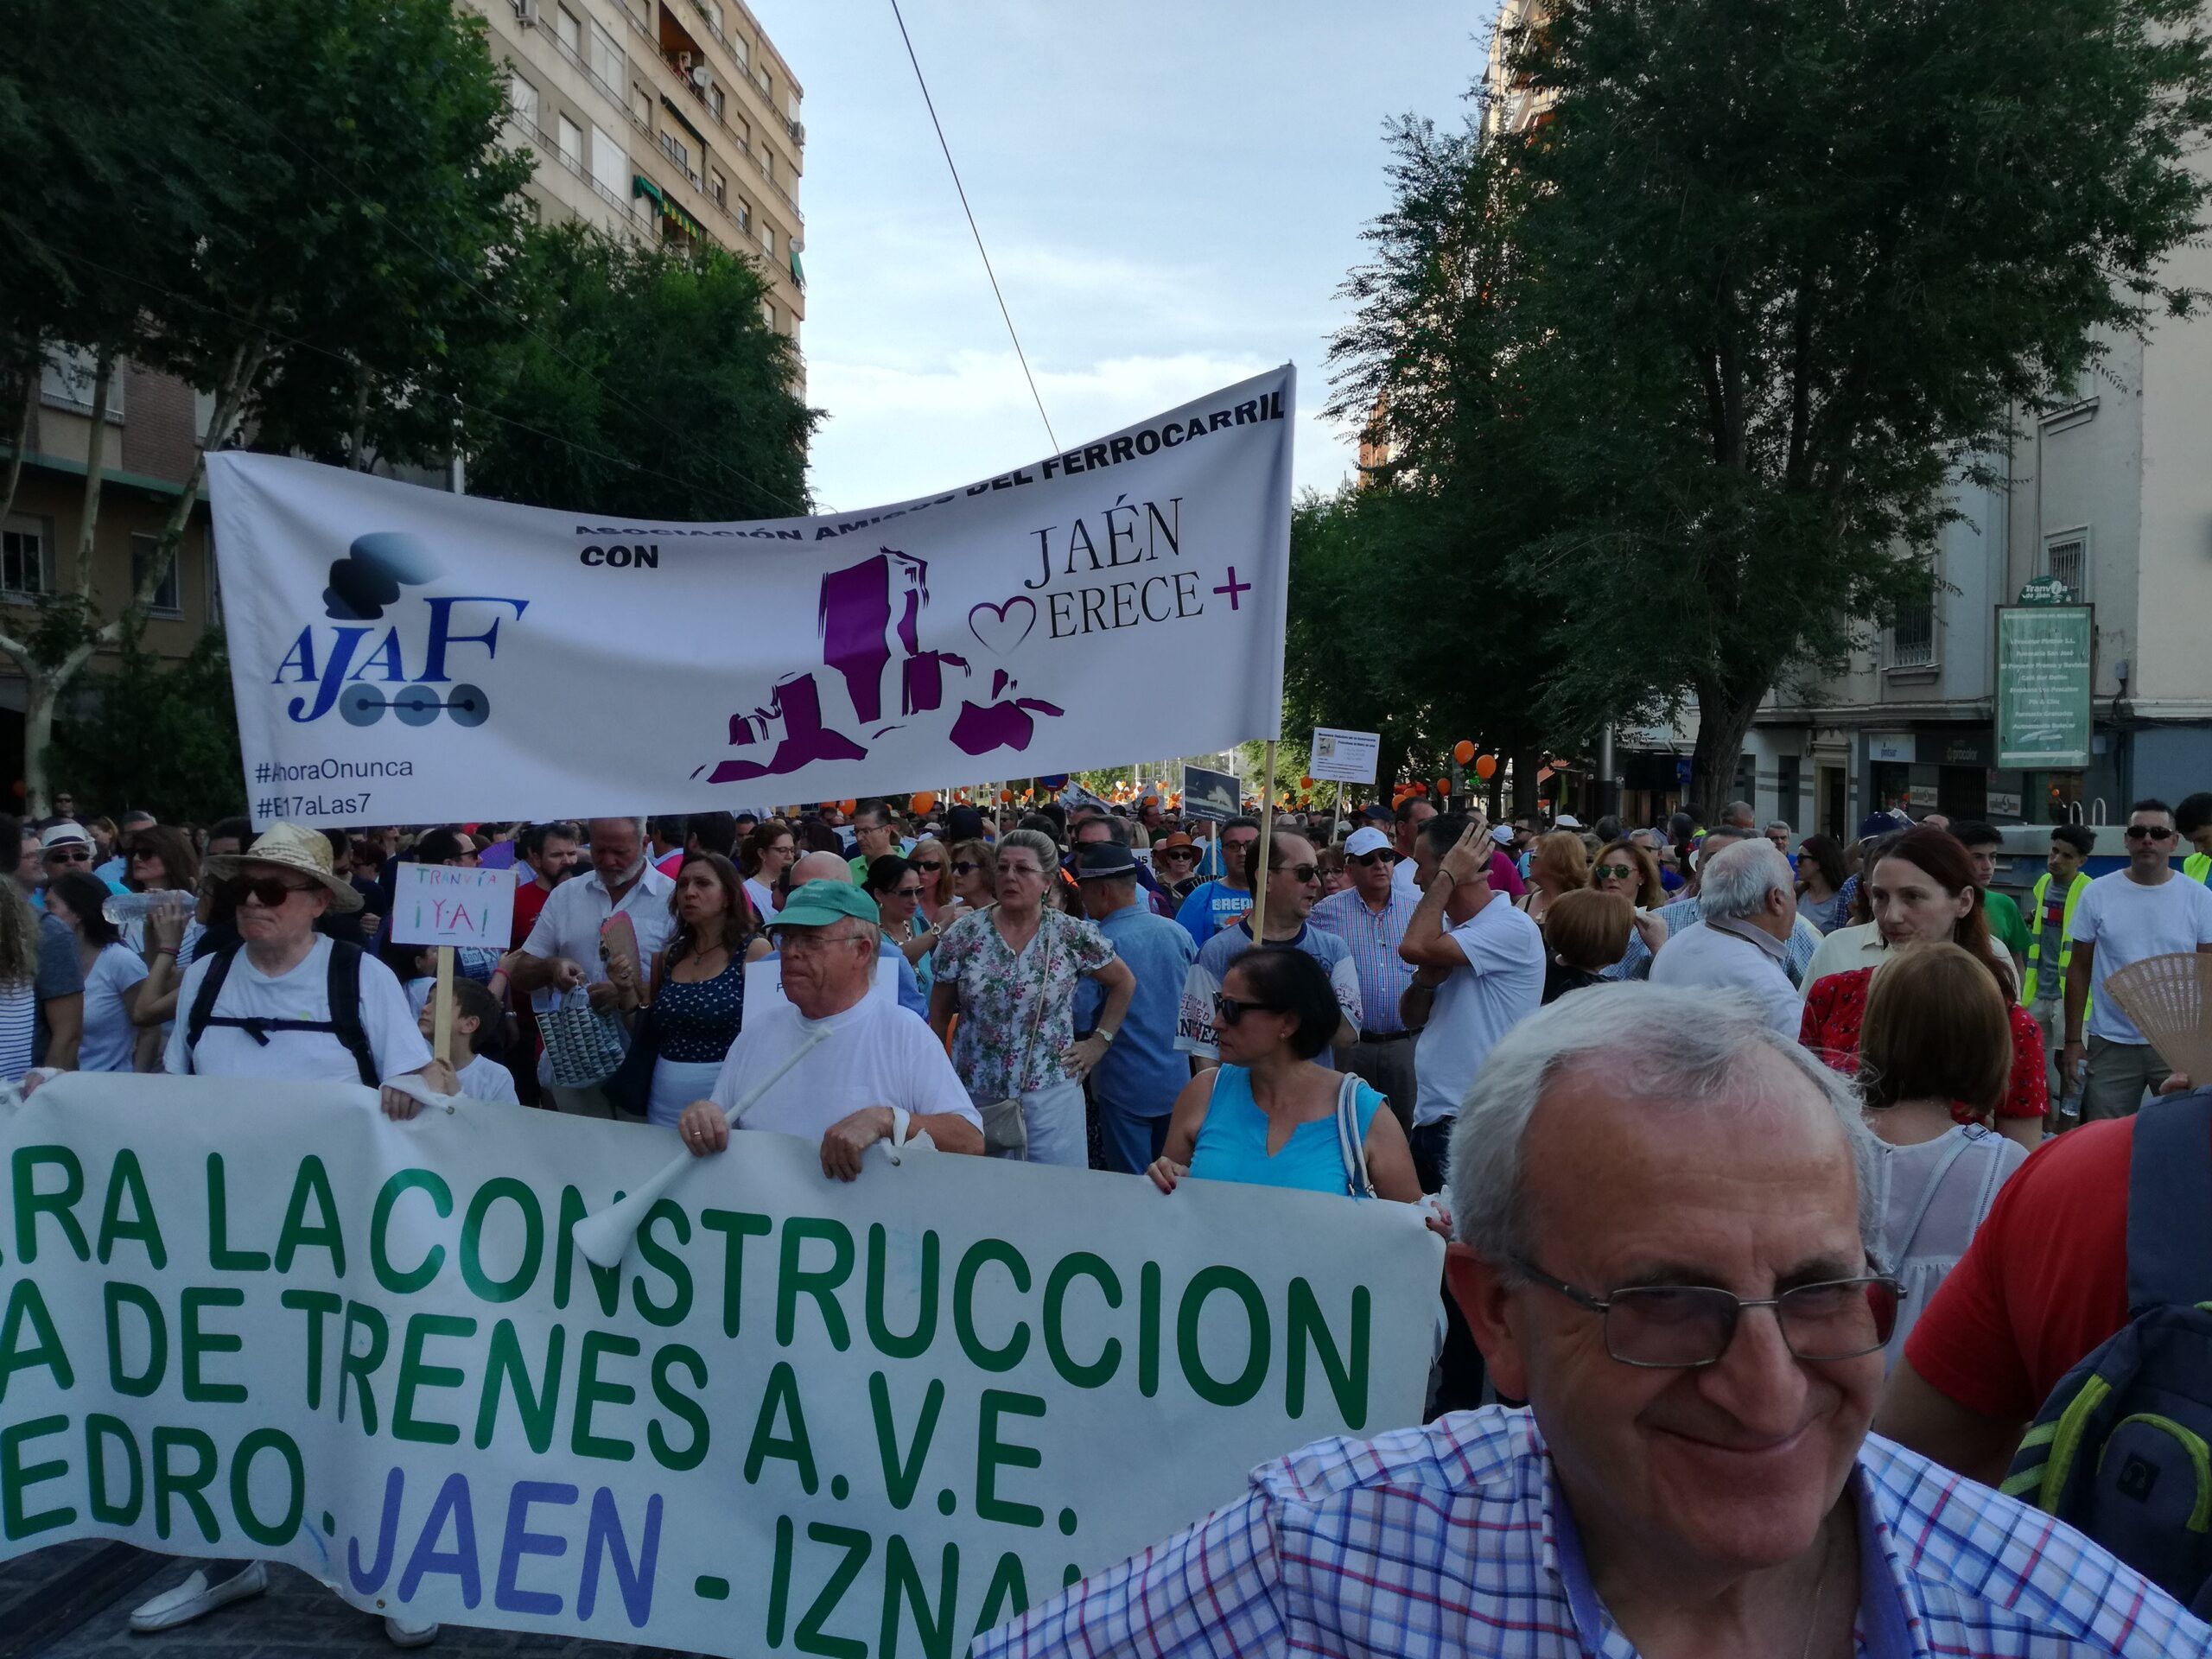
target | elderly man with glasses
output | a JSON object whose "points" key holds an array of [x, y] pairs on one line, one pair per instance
{"points": [[1663, 1249], [879, 1075], [2149, 909], [1370, 917]]}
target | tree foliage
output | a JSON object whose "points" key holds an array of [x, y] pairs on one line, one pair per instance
{"points": [[1764, 284], [650, 385], [162, 737]]}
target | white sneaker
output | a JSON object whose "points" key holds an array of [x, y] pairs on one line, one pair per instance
{"points": [[195, 1596], [403, 1635]]}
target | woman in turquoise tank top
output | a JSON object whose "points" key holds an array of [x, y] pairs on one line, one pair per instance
{"points": [[1268, 1115]]}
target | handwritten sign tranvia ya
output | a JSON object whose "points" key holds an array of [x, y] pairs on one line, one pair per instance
{"points": [[442, 904]]}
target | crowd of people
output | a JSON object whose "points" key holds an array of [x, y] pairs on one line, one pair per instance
{"points": [[1692, 1070]]}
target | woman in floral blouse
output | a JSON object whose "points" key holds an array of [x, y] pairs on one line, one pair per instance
{"points": [[1010, 972]]}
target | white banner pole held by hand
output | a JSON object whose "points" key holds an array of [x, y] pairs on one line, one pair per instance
{"points": [[1267, 847], [604, 1238]]}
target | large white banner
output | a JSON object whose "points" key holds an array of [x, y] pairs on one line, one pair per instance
{"points": [[402, 656], [260, 1319]]}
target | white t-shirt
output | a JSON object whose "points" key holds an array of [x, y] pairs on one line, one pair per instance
{"points": [[303, 993], [876, 1054], [762, 895], [2126, 922], [108, 1035], [1502, 985], [485, 1078]]}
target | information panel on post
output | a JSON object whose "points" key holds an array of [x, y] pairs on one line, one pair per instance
{"points": [[2045, 654], [1343, 757]]}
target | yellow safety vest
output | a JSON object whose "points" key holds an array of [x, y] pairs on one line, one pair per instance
{"points": [[2197, 867], [2065, 929]]}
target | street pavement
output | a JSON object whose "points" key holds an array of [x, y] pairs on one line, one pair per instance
{"points": [[74, 1601]]}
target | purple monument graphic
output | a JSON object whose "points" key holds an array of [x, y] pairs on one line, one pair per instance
{"points": [[870, 614]]}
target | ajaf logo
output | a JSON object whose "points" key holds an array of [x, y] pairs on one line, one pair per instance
{"points": [[360, 665]]}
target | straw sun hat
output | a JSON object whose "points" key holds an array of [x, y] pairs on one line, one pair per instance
{"points": [[290, 846]]}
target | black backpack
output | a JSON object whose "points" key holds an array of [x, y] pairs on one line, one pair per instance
{"points": [[345, 1021], [2122, 1450]]}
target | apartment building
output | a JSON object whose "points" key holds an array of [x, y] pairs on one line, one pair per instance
{"points": [[672, 119]]}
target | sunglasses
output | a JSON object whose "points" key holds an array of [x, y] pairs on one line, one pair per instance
{"points": [[1228, 1010], [1305, 872], [2147, 832], [1178, 852], [70, 855], [906, 892], [1602, 871], [268, 889], [929, 865], [965, 867], [1368, 860]]}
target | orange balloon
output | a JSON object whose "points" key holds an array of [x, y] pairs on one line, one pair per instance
{"points": [[1463, 751], [1486, 766], [924, 800], [1006, 795], [849, 807], [1306, 783], [1444, 786]]}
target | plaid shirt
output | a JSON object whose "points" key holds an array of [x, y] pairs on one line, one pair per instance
{"points": [[1383, 974], [1449, 1541]]}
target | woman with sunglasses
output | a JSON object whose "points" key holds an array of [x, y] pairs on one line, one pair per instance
{"points": [[1010, 973], [975, 875], [1175, 862], [897, 885], [158, 858], [114, 974], [932, 860], [1266, 1114], [769, 851], [1631, 870]]}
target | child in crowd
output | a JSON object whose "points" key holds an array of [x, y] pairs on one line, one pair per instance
{"points": [[478, 1026]]}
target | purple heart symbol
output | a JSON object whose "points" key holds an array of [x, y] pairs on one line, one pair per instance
{"points": [[997, 628]]}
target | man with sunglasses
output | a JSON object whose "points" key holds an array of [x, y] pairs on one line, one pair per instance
{"points": [[1214, 904], [1294, 876], [1370, 917], [1661, 1249], [2149, 909]]}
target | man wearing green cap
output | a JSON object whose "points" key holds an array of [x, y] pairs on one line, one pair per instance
{"points": [[881, 1075]]}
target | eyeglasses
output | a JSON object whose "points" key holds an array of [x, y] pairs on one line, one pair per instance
{"points": [[802, 944], [1019, 869], [965, 867], [70, 855], [1680, 1327], [906, 892], [1242, 844], [268, 889], [2147, 832], [1228, 1010], [1368, 860], [1604, 871], [1305, 872]]}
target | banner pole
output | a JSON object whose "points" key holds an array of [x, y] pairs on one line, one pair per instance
{"points": [[441, 1017], [1336, 817], [1266, 848]]}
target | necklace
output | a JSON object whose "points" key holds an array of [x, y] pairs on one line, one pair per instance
{"points": [[1812, 1627]]}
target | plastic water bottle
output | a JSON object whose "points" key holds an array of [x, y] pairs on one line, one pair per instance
{"points": [[124, 907]]}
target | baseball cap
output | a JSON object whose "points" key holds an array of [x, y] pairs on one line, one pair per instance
{"points": [[1876, 824], [1101, 860], [1365, 840], [1502, 834], [1566, 821], [820, 903], [1380, 813], [64, 834]]}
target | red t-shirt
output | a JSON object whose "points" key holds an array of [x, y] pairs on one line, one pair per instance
{"points": [[530, 899], [1836, 1007], [2043, 1283]]}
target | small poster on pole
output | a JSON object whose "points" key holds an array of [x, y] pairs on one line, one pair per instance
{"points": [[443, 904], [1345, 757], [1215, 796]]}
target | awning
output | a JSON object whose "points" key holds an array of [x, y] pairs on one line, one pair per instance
{"points": [[642, 186], [799, 271], [682, 120]]}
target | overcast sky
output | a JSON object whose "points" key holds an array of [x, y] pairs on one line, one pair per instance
{"points": [[1170, 193]]}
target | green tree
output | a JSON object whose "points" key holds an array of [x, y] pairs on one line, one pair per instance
{"points": [[1791, 269], [650, 386], [339, 204], [164, 737]]}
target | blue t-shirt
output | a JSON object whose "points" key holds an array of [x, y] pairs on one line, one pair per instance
{"points": [[1233, 1141], [1210, 907]]}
